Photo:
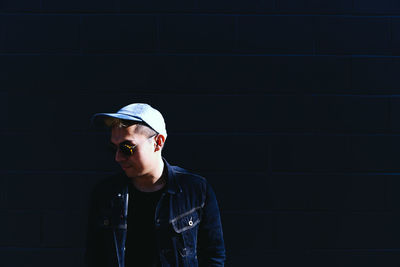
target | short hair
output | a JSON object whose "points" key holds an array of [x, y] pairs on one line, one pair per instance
{"points": [[141, 128]]}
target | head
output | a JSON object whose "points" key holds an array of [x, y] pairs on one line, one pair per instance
{"points": [[147, 144], [139, 130]]}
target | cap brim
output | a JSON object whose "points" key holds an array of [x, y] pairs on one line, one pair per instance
{"points": [[98, 118]]}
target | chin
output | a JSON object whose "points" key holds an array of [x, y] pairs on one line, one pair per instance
{"points": [[132, 173]]}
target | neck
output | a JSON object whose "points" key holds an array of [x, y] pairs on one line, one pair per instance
{"points": [[152, 181]]}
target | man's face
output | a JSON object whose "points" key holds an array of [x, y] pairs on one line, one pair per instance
{"points": [[143, 159]]}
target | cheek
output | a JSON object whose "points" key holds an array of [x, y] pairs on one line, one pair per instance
{"points": [[144, 155], [139, 159]]}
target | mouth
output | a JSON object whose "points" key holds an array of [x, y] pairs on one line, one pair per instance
{"points": [[125, 167]]}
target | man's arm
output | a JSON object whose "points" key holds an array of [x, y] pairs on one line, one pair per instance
{"points": [[94, 254], [210, 248]]}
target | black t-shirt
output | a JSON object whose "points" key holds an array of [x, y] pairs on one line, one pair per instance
{"points": [[141, 246]]}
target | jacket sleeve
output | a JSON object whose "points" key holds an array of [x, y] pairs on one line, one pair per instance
{"points": [[95, 252], [210, 247]]}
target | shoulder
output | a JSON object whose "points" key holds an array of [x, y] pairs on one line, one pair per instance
{"points": [[109, 186], [187, 179]]}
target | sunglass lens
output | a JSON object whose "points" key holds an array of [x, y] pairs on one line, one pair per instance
{"points": [[126, 149]]}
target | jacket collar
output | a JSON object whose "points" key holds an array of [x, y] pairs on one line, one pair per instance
{"points": [[172, 183]]}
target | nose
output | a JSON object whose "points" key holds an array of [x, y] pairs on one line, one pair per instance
{"points": [[119, 156]]}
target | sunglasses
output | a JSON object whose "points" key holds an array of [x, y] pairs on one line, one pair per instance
{"points": [[126, 147]]}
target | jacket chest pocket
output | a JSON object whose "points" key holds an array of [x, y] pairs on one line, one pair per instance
{"points": [[186, 221], [185, 226]]}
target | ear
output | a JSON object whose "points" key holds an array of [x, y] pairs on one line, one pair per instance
{"points": [[160, 140]]}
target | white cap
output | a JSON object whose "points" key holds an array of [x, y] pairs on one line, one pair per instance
{"points": [[138, 112]]}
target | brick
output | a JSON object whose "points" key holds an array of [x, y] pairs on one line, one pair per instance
{"points": [[280, 34], [217, 153], [44, 109], [363, 192], [257, 231], [236, 115], [19, 228], [158, 6], [395, 34], [197, 33], [286, 74], [349, 258], [385, 6], [20, 5], [89, 184], [4, 109], [335, 153], [63, 229], [309, 153], [41, 257], [106, 72], [353, 35], [209, 74], [54, 152], [70, 70], [260, 255], [153, 74], [40, 33], [3, 192], [392, 196], [373, 153], [258, 200], [355, 231], [118, 73], [337, 231], [395, 113], [12, 68], [331, 74], [392, 80], [290, 192], [48, 109], [117, 34], [79, 5], [338, 113], [281, 112], [326, 192], [255, 73], [330, 192], [237, 6], [378, 75], [322, 229], [39, 106], [176, 74], [46, 191], [292, 231], [314, 6]]}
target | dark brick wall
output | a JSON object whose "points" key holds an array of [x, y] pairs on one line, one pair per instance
{"points": [[291, 109]]}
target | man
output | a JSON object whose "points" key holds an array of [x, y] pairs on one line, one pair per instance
{"points": [[152, 213]]}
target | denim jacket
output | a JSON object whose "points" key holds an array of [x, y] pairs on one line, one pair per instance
{"points": [[187, 222]]}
